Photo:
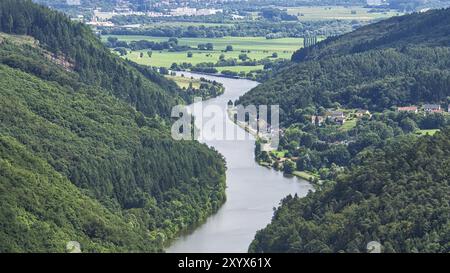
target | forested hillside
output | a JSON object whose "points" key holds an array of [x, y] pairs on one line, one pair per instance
{"points": [[379, 181], [397, 196], [82, 52], [85, 150], [397, 62]]}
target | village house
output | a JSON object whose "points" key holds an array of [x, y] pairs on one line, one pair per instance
{"points": [[336, 117], [335, 114], [317, 120], [413, 109], [362, 113], [432, 108], [340, 120]]}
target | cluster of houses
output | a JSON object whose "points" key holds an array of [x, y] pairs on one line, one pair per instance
{"points": [[427, 108], [338, 117]]}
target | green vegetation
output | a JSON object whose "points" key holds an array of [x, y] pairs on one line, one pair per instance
{"points": [[375, 169], [305, 175], [86, 154], [397, 195], [279, 154], [376, 78], [349, 124], [258, 52], [185, 82], [427, 132], [370, 68], [258, 44], [202, 87], [250, 27]]}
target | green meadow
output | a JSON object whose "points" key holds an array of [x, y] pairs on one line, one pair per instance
{"points": [[427, 132], [256, 48], [185, 82], [238, 43]]}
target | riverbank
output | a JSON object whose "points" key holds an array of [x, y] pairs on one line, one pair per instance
{"points": [[252, 190]]}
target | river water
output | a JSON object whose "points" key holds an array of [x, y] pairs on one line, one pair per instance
{"points": [[252, 190]]}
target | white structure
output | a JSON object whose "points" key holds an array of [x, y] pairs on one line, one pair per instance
{"points": [[73, 2], [375, 2]]}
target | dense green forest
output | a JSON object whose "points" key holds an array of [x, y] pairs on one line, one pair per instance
{"points": [[376, 179], [92, 62], [257, 28], [401, 61], [397, 195], [85, 150]]}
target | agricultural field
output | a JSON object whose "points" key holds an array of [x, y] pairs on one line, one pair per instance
{"points": [[166, 59], [238, 43], [185, 82], [183, 24], [256, 48], [339, 13]]}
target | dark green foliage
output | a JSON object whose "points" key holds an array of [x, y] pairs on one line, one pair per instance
{"points": [[247, 28], [78, 161], [397, 196], [93, 62], [401, 61], [428, 29], [41, 210], [273, 14], [322, 146], [395, 187]]}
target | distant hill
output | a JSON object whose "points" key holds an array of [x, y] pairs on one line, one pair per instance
{"points": [[400, 61], [85, 148], [426, 29]]}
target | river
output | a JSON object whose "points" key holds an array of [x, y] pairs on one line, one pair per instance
{"points": [[252, 190]]}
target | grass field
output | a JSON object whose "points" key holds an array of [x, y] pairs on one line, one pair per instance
{"points": [[238, 43], [339, 13], [258, 47], [166, 59], [349, 124], [427, 132], [305, 175], [240, 68], [18, 39], [184, 82], [279, 154]]}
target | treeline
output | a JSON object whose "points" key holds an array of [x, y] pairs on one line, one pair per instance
{"points": [[260, 28], [171, 45], [273, 14], [206, 90], [396, 196]]}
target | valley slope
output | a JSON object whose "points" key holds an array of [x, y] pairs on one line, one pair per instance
{"points": [[85, 148], [379, 180]]}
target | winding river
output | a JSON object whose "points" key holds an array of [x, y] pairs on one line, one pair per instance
{"points": [[252, 191]]}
